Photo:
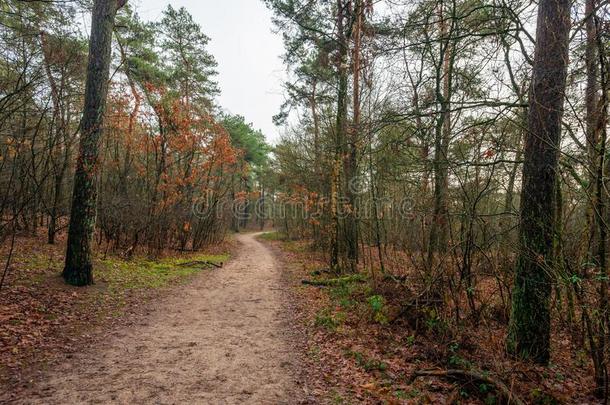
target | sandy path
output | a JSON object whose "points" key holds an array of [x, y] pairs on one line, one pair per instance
{"points": [[220, 340]]}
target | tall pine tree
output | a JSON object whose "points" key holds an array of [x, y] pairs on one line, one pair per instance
{"points": [[78, 268]]}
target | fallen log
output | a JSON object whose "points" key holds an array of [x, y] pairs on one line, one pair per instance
{"points": [[319, 272], [473, 377], [356, 278], [396, 278], [200, 262]]}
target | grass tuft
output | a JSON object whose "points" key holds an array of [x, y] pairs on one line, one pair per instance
{"points": [[145, 274]]}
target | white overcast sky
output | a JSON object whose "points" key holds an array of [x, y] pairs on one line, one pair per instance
{"points": [[250, 72]]}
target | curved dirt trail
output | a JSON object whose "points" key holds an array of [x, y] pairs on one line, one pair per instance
{"points": [[220, 340]]}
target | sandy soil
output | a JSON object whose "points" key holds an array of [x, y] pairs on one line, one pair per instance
{"points": [[221, 340]]}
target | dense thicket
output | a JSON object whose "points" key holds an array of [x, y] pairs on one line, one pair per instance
{"points": [[169, 159], [407, 126]]}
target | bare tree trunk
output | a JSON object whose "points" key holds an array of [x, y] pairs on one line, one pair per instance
{"points": [[592, 135], [351, 152], [78, 268], [596, 145], [439, 229], [60, 142], [529, 329], [340, 138]]}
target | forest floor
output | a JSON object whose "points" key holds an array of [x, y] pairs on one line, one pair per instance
{"points": [[222, 338], [249, 332], [362, 348]]}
